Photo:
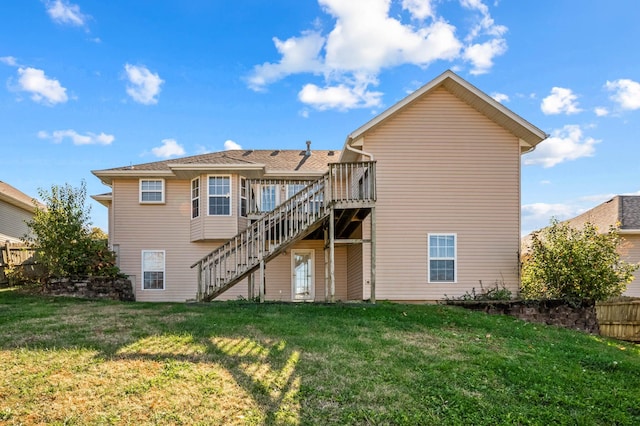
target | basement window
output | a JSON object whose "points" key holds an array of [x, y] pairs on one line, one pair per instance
{"points": [[153, 269], [442, 263]]}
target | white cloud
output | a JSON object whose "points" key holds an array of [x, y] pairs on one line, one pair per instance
{"points": [[65, 13], [500, 97], [9, 60], [537, 211], [341, 97], [564, 144], [144, 85], [230, 145], [87, 139], [626, 93], [481, 54], [419, 9], [169, 148], [601, 111], [43, 90], [560, 101], [364, 39], [299, 54]]}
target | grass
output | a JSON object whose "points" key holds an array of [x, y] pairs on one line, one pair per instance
{"points": [[67, 361]]}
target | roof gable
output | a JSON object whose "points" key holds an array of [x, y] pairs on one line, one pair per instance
{"points": [[528, 134]]}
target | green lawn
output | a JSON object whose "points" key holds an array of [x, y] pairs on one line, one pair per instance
{"points": [[67, 361]]}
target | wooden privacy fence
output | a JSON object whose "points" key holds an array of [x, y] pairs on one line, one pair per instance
{"points": [[620, 319], [16, 254]]}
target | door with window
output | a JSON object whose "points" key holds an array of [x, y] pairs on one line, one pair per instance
{"points": [[302, 275]]}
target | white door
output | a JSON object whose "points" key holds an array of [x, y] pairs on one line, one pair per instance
{"points": [[302, 274]]}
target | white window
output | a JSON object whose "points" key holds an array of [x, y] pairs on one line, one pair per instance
{"points": [[442, 258], [243, 197], [195, 198], [268, 197], [153, 269], [294, 188], [152, 190], [219, 196]]}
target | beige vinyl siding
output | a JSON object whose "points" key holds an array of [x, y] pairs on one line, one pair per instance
{"points": [[631, 253], [278, 285], [165, 227], [442, 167], [12, 222]]}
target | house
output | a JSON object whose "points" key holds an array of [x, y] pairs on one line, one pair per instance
{"points": [[622, 211], [16, 209], [421, 202]]}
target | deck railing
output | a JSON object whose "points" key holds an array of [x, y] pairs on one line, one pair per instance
{"points": [[275, 230]]}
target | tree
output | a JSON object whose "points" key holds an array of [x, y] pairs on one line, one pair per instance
{"points": [[575, 264], [62, 236]]}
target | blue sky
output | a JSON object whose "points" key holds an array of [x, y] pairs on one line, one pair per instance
{"points": [[92, 84]]}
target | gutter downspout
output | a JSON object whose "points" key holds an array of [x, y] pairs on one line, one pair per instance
{"points": [[357, 151]]}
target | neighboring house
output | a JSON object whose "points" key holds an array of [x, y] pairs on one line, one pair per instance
{"points": [[622, 211], [423, 201], [16, 208]]}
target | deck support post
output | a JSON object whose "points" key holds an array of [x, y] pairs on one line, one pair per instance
{"points": [[373, 255], [251, 284], [326, 264], [261, 283], [332, 255], [199, 294]]}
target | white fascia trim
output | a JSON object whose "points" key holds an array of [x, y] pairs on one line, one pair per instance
{"points": [[629, 231], [274, 174]]}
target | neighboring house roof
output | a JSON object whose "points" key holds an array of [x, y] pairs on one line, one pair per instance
{"points": [[262, 162], [528, 134], [622, 211], [16, 197]]}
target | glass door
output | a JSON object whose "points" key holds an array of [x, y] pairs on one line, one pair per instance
{"points": [[302, 274]]}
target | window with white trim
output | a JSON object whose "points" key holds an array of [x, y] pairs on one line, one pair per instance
{"points": [[153, 269], [152, 190], [268, 197], [442, 258], [195, 198], [294, 188], [243, 197], [219, 196]]}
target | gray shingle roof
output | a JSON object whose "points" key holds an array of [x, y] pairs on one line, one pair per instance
{"points": [[273, 160]]}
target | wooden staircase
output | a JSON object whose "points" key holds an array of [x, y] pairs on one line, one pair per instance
{"points": [[345, 185]]}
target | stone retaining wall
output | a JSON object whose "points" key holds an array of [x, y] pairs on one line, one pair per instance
{"points": [[92, 288], [551, 312]]}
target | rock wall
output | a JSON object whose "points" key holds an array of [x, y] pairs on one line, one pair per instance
{"points": [[92, 288], [551, 312]]}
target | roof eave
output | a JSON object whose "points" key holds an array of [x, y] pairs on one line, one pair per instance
{"points": [[104, 199]]}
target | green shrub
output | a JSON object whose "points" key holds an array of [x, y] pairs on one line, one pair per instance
{"points": [[63, 239], [575, 264]]}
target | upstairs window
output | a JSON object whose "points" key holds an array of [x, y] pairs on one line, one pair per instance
{"points": [[268, 197], [152, 190], [219, 196], [243, 197], [442, 258], [294, 188], [195, 198]]}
